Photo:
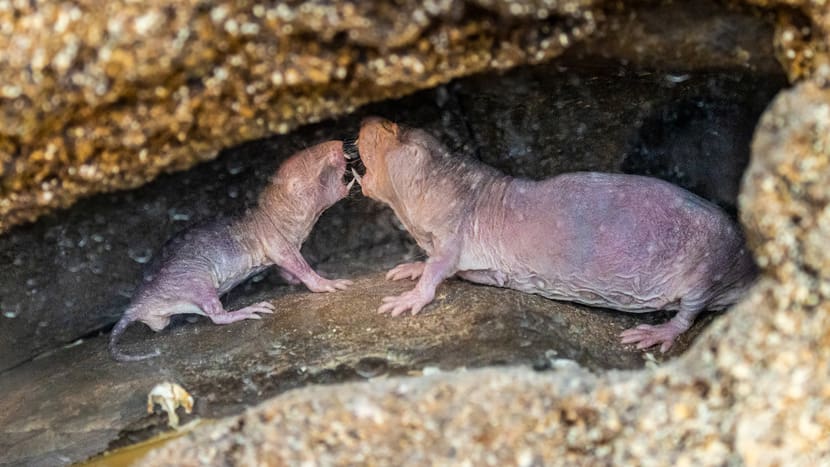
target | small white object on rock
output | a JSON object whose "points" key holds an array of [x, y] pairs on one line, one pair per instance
{"points": [[430, 370], [563, 363], [170, 396]]}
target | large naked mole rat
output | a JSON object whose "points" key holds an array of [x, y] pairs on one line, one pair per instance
{"points": [[625, 242], [201, 263]]}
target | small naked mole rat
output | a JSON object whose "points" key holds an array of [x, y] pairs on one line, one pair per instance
{"points": [[198, 265], [625, 242]]}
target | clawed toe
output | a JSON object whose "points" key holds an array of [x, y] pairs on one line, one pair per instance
{"points": [[405, 271], [242, 315], [392, 308], [390, 305], [332, 285], [632, 335], [398, 305], [646, 335], [261, 307], [250, 312], [342, 284]]}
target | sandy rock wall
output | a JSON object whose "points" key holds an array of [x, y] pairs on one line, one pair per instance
{"points": [[98, 96]]}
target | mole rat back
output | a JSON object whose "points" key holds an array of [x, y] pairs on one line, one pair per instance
{"points": [[621, 241]]}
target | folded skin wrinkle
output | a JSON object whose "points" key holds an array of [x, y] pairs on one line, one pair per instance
{"points": [[625, 242], [197, 266]]}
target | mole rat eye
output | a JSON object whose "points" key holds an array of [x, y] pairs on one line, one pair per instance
{"points": [[388, 126]]}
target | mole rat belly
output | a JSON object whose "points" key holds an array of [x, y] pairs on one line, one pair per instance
{"points": [[609, 294], [622, 242]]}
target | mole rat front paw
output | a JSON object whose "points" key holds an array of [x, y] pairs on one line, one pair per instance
{"points": [[327, 285], [413, 300]]}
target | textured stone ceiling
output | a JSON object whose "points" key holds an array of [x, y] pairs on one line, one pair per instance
{"points": [[117, 92], [100, 96]]}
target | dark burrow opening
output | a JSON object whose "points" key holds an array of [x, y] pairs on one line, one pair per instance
{"points": [[67, 277]]}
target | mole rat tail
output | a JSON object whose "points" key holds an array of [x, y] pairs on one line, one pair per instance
{"points": [[117, 331]]}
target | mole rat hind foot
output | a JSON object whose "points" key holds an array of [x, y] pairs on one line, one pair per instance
{"points": [[647, 335], [157, 319], [248, 312]]}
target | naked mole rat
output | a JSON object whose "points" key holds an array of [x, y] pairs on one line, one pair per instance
{"points": [[626, 242], [198, 265]]}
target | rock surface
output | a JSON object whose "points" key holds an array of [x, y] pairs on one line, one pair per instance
{"points": [[75, 402]]}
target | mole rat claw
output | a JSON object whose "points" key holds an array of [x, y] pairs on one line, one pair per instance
{"points": [[342, 284], [646, 335], [406, 271], [248, 312], [413, 301], [261, 307], [327, 285]]}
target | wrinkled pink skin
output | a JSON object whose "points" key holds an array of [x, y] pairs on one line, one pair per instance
{"points": [[200, 264], [625, 242]]}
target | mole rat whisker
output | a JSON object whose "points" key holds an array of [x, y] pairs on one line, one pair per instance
{"points": [[356, 177]]}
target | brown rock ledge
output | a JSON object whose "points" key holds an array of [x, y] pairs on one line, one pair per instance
{"points": [[76, 401]]}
